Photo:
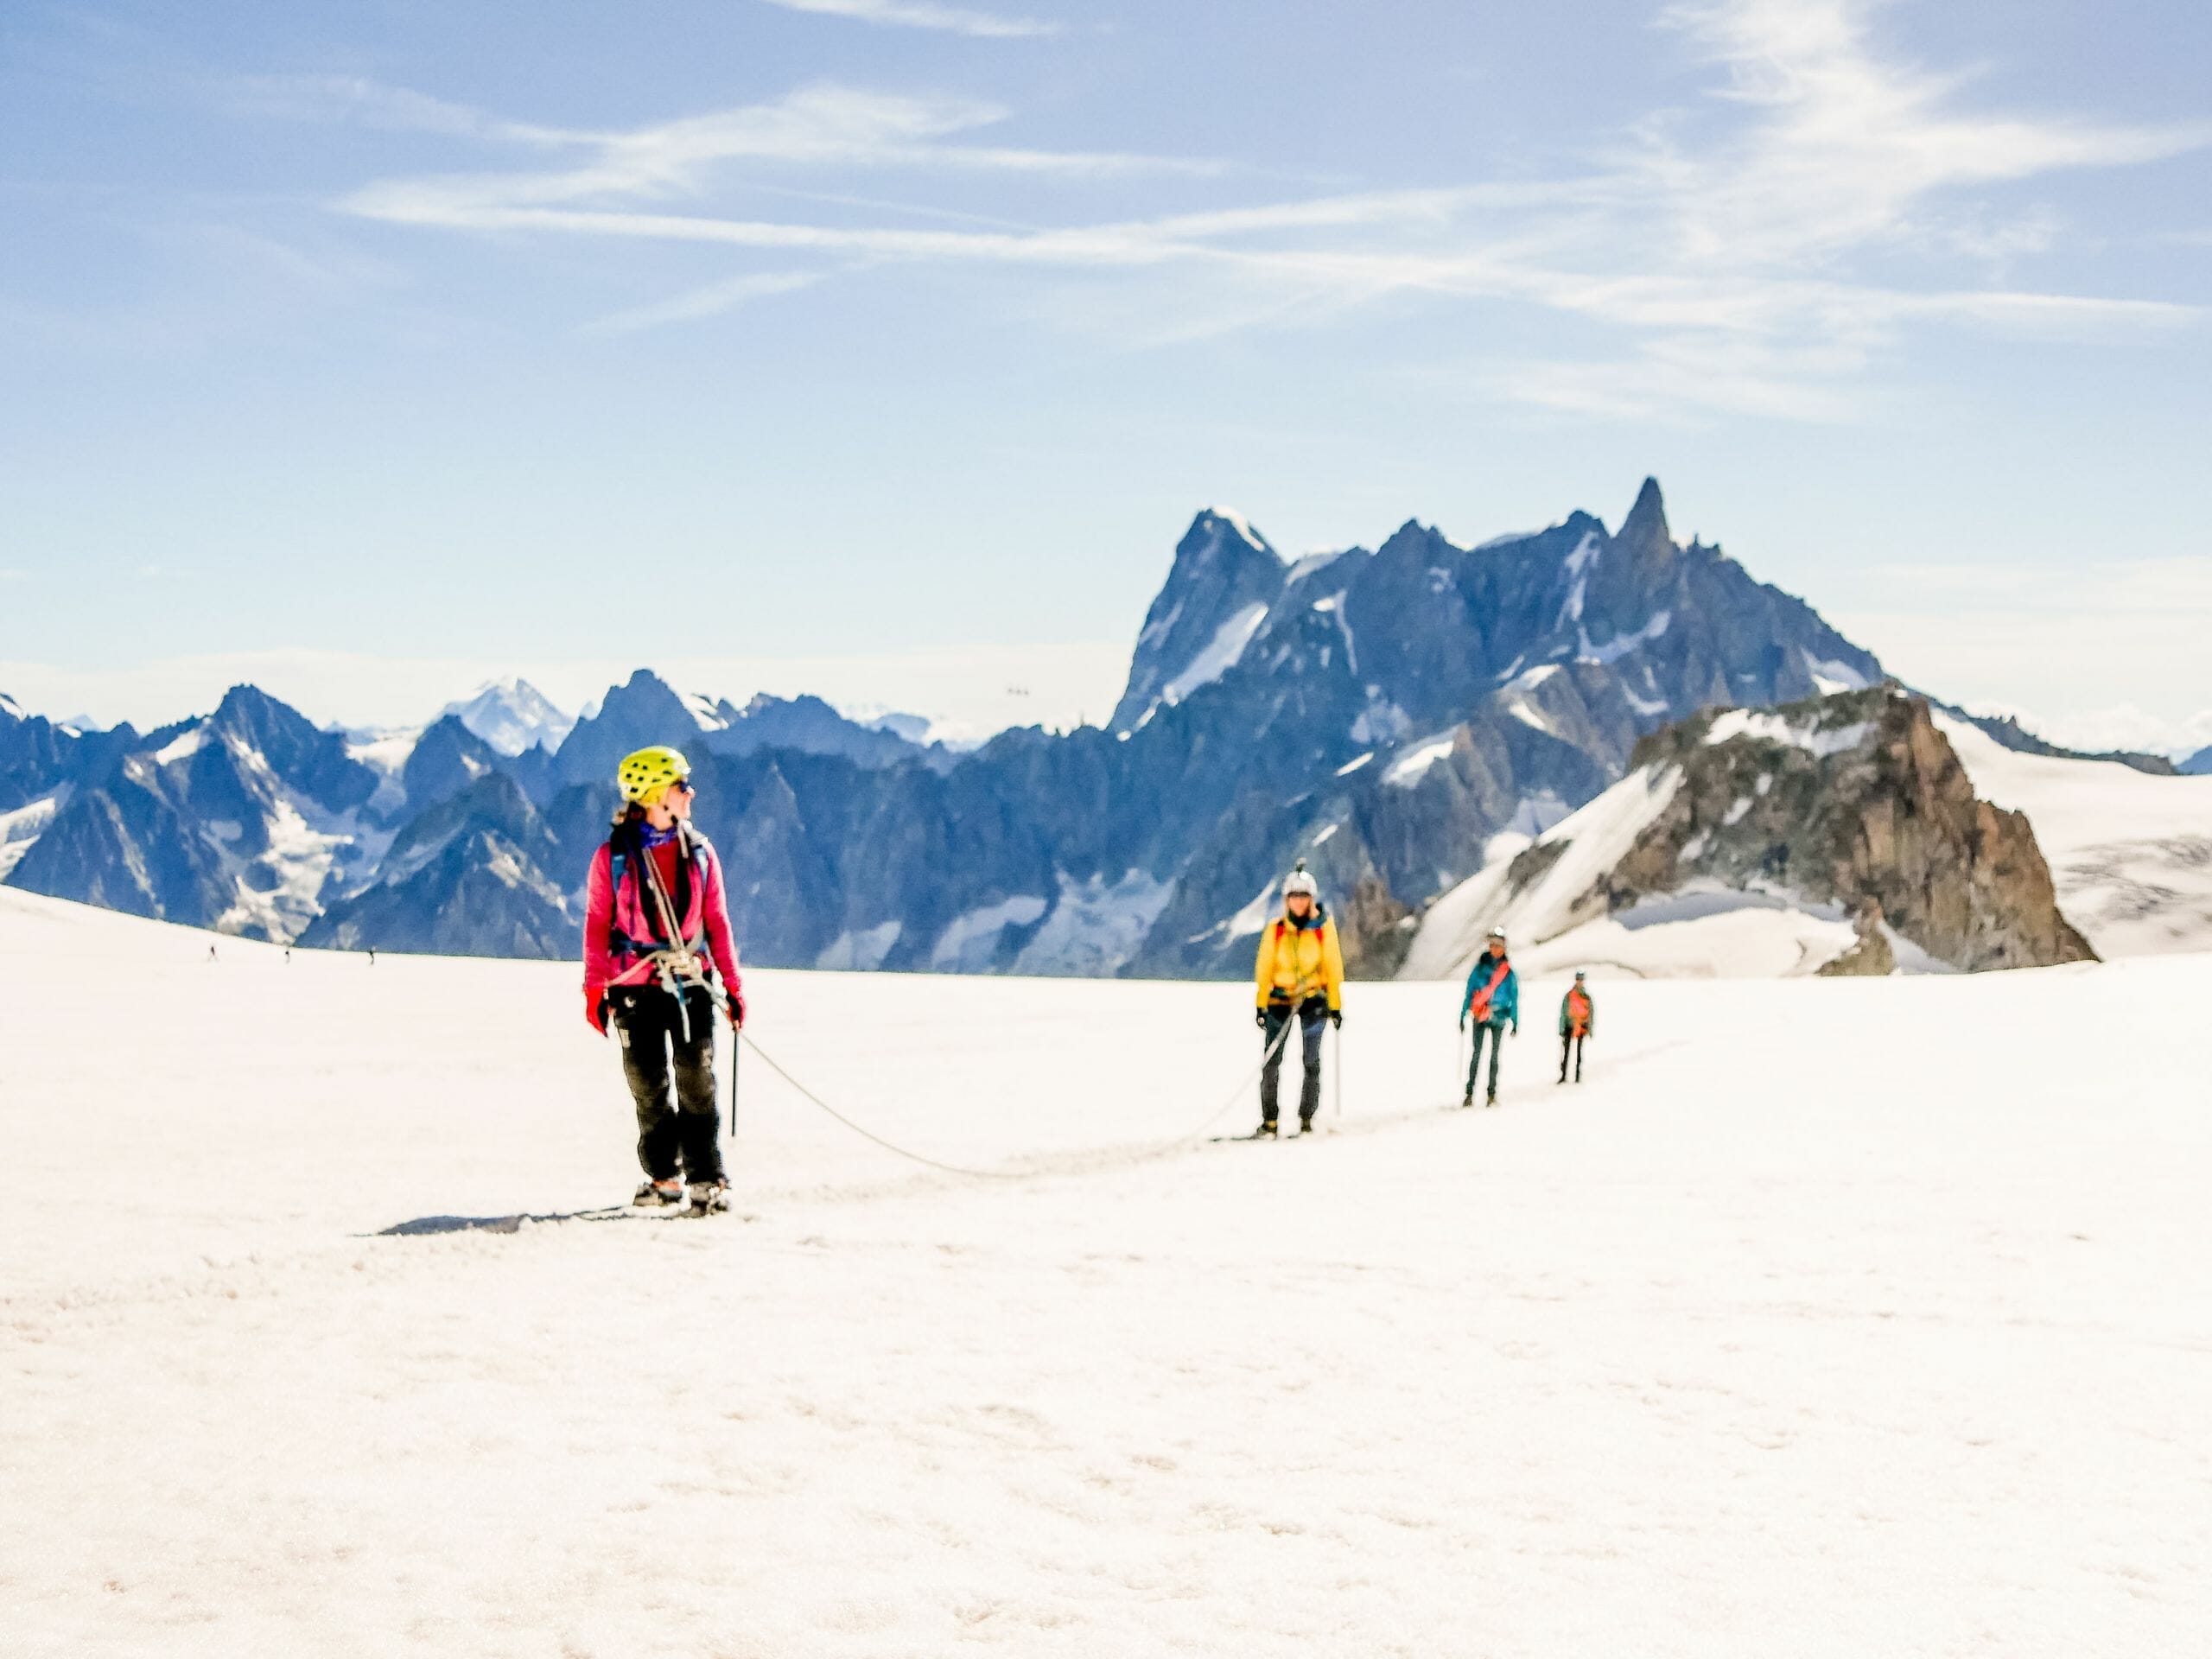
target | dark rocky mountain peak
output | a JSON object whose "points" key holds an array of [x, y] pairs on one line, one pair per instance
{"points": [[1224, 578], [1646, 524], [446, 760], [644, 710], [38, 755], [300, 754]]}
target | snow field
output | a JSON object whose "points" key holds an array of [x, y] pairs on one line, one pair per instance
{"points": [[1826, 1318], [2130, 854]]}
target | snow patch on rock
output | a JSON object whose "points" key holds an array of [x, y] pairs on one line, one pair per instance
{"points": [[971, 940], [1592, 842], [1407, 770], [1095, 926], [1619, 647], [21, 828], [1772, 728], [863, 951], [1221, 653]]}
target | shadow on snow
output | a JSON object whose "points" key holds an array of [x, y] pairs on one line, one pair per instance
{"points": [[423, 1224]]}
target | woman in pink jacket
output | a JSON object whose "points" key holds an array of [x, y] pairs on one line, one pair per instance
{"points": [[658, 960]]}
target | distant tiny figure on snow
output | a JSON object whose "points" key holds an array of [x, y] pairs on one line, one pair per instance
{"points": [[372, 956], [1301, 971], [658, 960], [211, 953], [1492, 1001], [1578, 1018]]}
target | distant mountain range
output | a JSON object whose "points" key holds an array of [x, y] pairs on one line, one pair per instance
{"points": [[1388, 715]]}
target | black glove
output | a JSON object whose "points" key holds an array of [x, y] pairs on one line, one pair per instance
{"points": [[1336, 1018], [1260, 1018]]}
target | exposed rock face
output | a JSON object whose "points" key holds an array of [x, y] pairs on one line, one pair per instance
{"points": [[124, 844], [1224, 571], [1870, 954], [1853, 800], [467, 878], [446, 760]]}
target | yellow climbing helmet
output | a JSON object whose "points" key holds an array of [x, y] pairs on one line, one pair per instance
{"points": [[646, 774]]}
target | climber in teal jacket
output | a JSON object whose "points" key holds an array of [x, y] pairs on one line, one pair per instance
{"points": [[1492, 1002]]}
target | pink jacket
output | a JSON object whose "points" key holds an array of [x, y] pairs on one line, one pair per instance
{"points": [[607, 912]]}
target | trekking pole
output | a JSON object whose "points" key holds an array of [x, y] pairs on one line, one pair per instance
{"points": [[736, 1049], [1338, 1047]]}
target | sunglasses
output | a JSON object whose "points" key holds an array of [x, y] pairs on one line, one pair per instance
{"points": [[684, 784]]}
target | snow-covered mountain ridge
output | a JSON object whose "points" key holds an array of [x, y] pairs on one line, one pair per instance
{"points": [[1398, 717], [512, 715]]}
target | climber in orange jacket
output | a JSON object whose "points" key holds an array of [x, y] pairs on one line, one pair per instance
{"points": [[1578, 1018]]}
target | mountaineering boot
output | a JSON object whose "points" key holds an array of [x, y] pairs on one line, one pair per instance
{"points": [[652, 1192], [1468, 1099], [1266, 1131], [709, 1197], [1492, 1101], [1305, 1126]]}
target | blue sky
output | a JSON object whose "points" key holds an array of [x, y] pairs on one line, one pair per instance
{"points": [[886, 347]]}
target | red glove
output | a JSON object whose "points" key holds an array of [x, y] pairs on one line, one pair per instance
{"points": [[736, 1008], [596, 1009]]}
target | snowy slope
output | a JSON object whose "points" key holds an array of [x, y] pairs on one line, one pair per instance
{"points": [[2131, 853], [1768, 1339], [1698, 935]]}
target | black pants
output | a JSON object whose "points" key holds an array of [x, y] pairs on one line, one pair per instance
{"points": [[1312, 1014], [1496, 1051], [1567, 1040], [651, 1025]]}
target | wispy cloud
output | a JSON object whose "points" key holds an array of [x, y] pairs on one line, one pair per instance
{"points": [[1727, 248], [358, 100], [915, 14], [711, 299], [816, 126], [1846, 148]]}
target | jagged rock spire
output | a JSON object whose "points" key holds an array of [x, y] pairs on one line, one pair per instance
{"points": [[1647, 520]]}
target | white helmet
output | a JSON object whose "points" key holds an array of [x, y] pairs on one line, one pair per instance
{"points": [[1498, 933], [1299, 881]]}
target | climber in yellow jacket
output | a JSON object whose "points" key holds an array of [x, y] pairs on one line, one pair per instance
{"points": [[1302, 971]]}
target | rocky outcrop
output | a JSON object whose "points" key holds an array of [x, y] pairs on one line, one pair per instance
{"points": [[1871, 956], [1854, 800]]}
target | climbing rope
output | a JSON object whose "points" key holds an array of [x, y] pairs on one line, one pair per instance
{"points": [[1147, 1149]]}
